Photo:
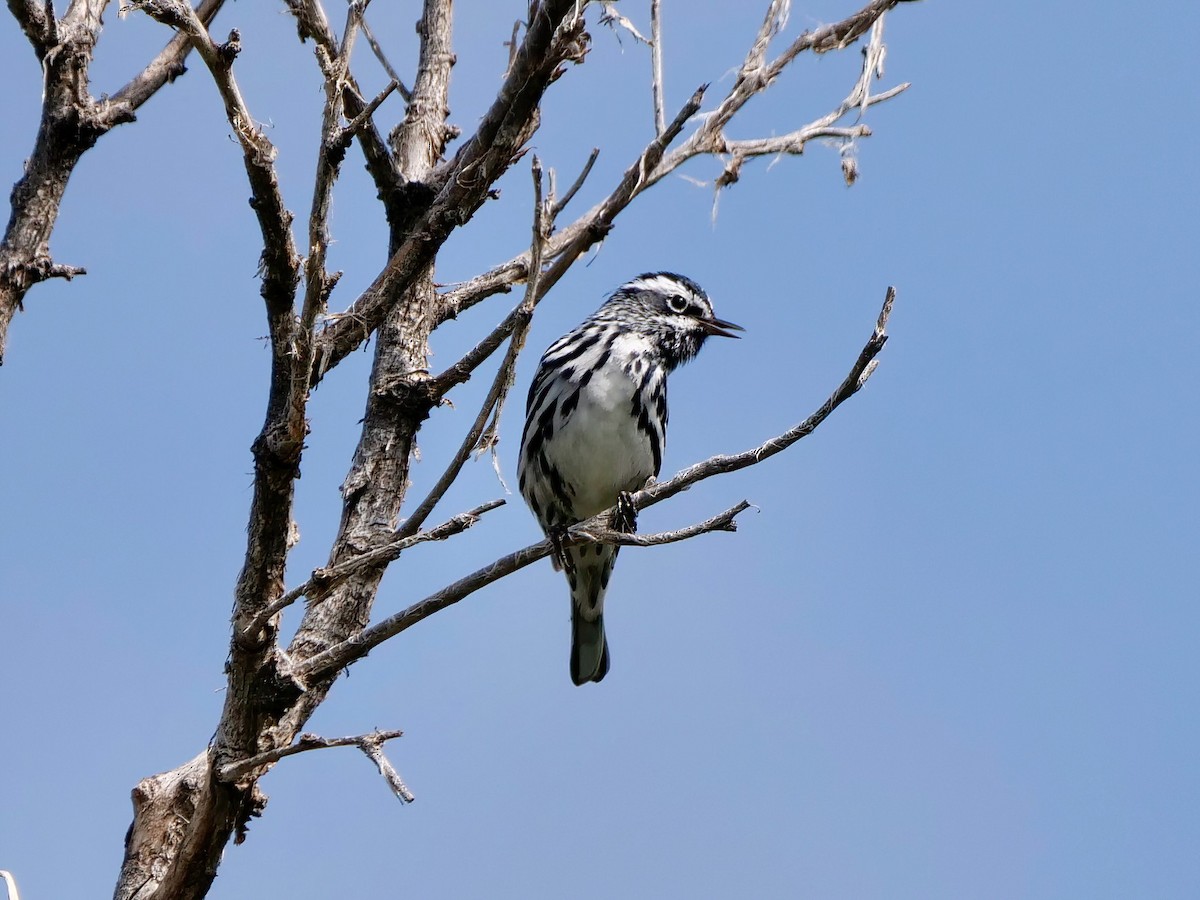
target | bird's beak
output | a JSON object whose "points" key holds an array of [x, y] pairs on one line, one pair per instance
{"points": [[720, 327]]}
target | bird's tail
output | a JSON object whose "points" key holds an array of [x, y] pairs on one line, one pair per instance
{"points": [[589, 648], [588, 569]]}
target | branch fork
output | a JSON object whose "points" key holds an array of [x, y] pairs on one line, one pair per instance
{"points": [[371, 744]]}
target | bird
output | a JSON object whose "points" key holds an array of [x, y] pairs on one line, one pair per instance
{"points": [[596, 427]]}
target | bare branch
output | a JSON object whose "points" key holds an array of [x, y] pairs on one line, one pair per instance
{"points": [[597, 528], [71, 123], [419, 142], [42, 268], [325, 579], [359, 645], [660, 116], [773, 22], [468, 445], [378, 479], [231, 773], [82, 14], [793, 142]]}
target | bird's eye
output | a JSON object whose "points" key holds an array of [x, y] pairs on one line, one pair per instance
{"points": [[677, 303]]}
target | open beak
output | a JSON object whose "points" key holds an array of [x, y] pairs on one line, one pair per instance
{"points": [[720, 327]]}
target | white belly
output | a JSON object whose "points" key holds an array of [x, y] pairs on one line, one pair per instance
{"points": [[600, 450]]}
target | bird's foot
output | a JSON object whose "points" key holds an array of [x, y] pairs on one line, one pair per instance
{"points": [[558, 538], [625, 514]]}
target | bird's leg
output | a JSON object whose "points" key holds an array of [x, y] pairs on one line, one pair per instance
{"points": [[625, 514]]}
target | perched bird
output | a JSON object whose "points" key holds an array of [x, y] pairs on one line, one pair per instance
{"points": [[596, 426]]}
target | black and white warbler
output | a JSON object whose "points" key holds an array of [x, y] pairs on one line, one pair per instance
{"points": [[596, 426]]}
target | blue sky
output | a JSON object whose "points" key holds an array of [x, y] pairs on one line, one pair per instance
{"points": [[953, 652]]}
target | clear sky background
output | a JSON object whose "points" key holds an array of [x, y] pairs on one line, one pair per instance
{"points": [[953, 654]]}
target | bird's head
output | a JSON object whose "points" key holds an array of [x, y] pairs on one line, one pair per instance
{"points": [[671, 310]]}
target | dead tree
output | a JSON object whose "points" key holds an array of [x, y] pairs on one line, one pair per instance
{"points": [[183, 819]]}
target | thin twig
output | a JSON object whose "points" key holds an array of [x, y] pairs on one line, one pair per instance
{"points": [[355, 125], [600, 534], [357, 646], [383, 61], [542, 224], [469, 443], [859, 99], [773, 22], [559, 205], [319, 283], [752, 79]]}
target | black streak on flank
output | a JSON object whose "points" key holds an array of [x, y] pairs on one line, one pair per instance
{"points": [[543, 430], [568, 405]]}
